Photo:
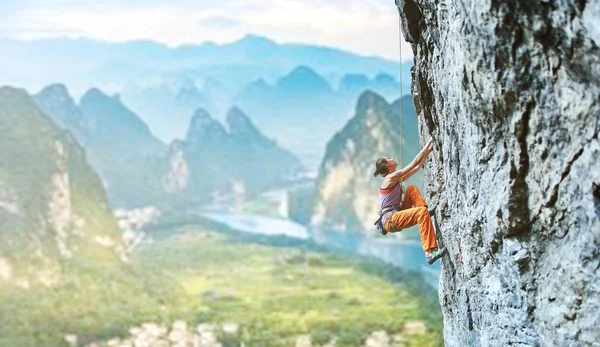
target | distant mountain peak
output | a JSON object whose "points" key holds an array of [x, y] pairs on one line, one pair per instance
{"points": [[303, 70], [58, 104], [96, 96], [93, 94], [189, 94], [260, 82], [201, 114], [304, 78], [354, 82], [56, 93], [236, 113], [384, 78], [11, 92], [239, 123], [253, 39], [203, 125], [106, 118], [55, 88], [370, 97], [370, 100], [258, 85], [188, 87]]}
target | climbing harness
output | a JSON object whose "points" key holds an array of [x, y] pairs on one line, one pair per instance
{"points": [[379, 224]]}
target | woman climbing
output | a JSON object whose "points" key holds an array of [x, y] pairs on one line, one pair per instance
{"points": [[397, 211]]}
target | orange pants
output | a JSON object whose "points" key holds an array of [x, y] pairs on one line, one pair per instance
{"points": [[409, 216]]}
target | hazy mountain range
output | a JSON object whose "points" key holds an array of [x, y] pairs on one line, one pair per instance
{"points": [[298, 95], [301, 110], [214, 161], [193, 123], [118, 144], [81, 63], [138, 169]]}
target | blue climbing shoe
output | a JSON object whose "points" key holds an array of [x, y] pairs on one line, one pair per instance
{"points": [[436, 254]]}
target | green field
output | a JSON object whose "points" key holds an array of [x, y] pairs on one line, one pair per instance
{"points": [[274, 294]]}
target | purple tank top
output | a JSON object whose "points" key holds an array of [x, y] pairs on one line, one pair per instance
{"points": [[390, 197]]}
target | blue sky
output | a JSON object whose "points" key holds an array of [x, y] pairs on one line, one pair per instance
{"points": [[368, 27]]}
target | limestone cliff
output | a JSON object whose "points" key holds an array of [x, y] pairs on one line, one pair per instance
{"points": [[118, 144], [53, 208], [510, 92], [212, 159]]}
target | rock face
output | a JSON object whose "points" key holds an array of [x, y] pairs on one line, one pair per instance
{"points": [[510, 92]]}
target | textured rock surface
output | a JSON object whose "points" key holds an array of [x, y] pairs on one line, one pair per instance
{"points": [[510, 91]]}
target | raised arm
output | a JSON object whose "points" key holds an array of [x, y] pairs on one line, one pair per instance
{"points": [[411, 172], [414, 166]]}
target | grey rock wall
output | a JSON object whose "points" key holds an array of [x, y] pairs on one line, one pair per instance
{"points": [[510, 90]]}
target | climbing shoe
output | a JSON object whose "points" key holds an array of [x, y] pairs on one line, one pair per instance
{"points": [[435, 255], [432, 210]]}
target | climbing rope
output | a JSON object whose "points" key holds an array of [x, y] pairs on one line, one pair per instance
{"points": [[400, 45]]}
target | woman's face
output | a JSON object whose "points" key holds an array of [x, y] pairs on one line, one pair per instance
{"points": [[391, 164]]}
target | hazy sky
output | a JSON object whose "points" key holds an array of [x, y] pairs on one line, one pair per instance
{"points": [[368, 27]]}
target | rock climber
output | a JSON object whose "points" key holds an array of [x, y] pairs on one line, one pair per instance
{"points": [[402, 209]]}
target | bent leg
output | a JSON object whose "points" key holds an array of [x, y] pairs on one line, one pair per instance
{"points": [[403, 219], [426, 230], [419, 215], [412, 197]]}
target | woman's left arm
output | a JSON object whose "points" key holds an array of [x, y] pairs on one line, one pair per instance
{"points": [[403, 174], [410, 173], [417, 167]]}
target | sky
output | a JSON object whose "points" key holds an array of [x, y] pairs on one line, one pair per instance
{"points": [[366, 27]]}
